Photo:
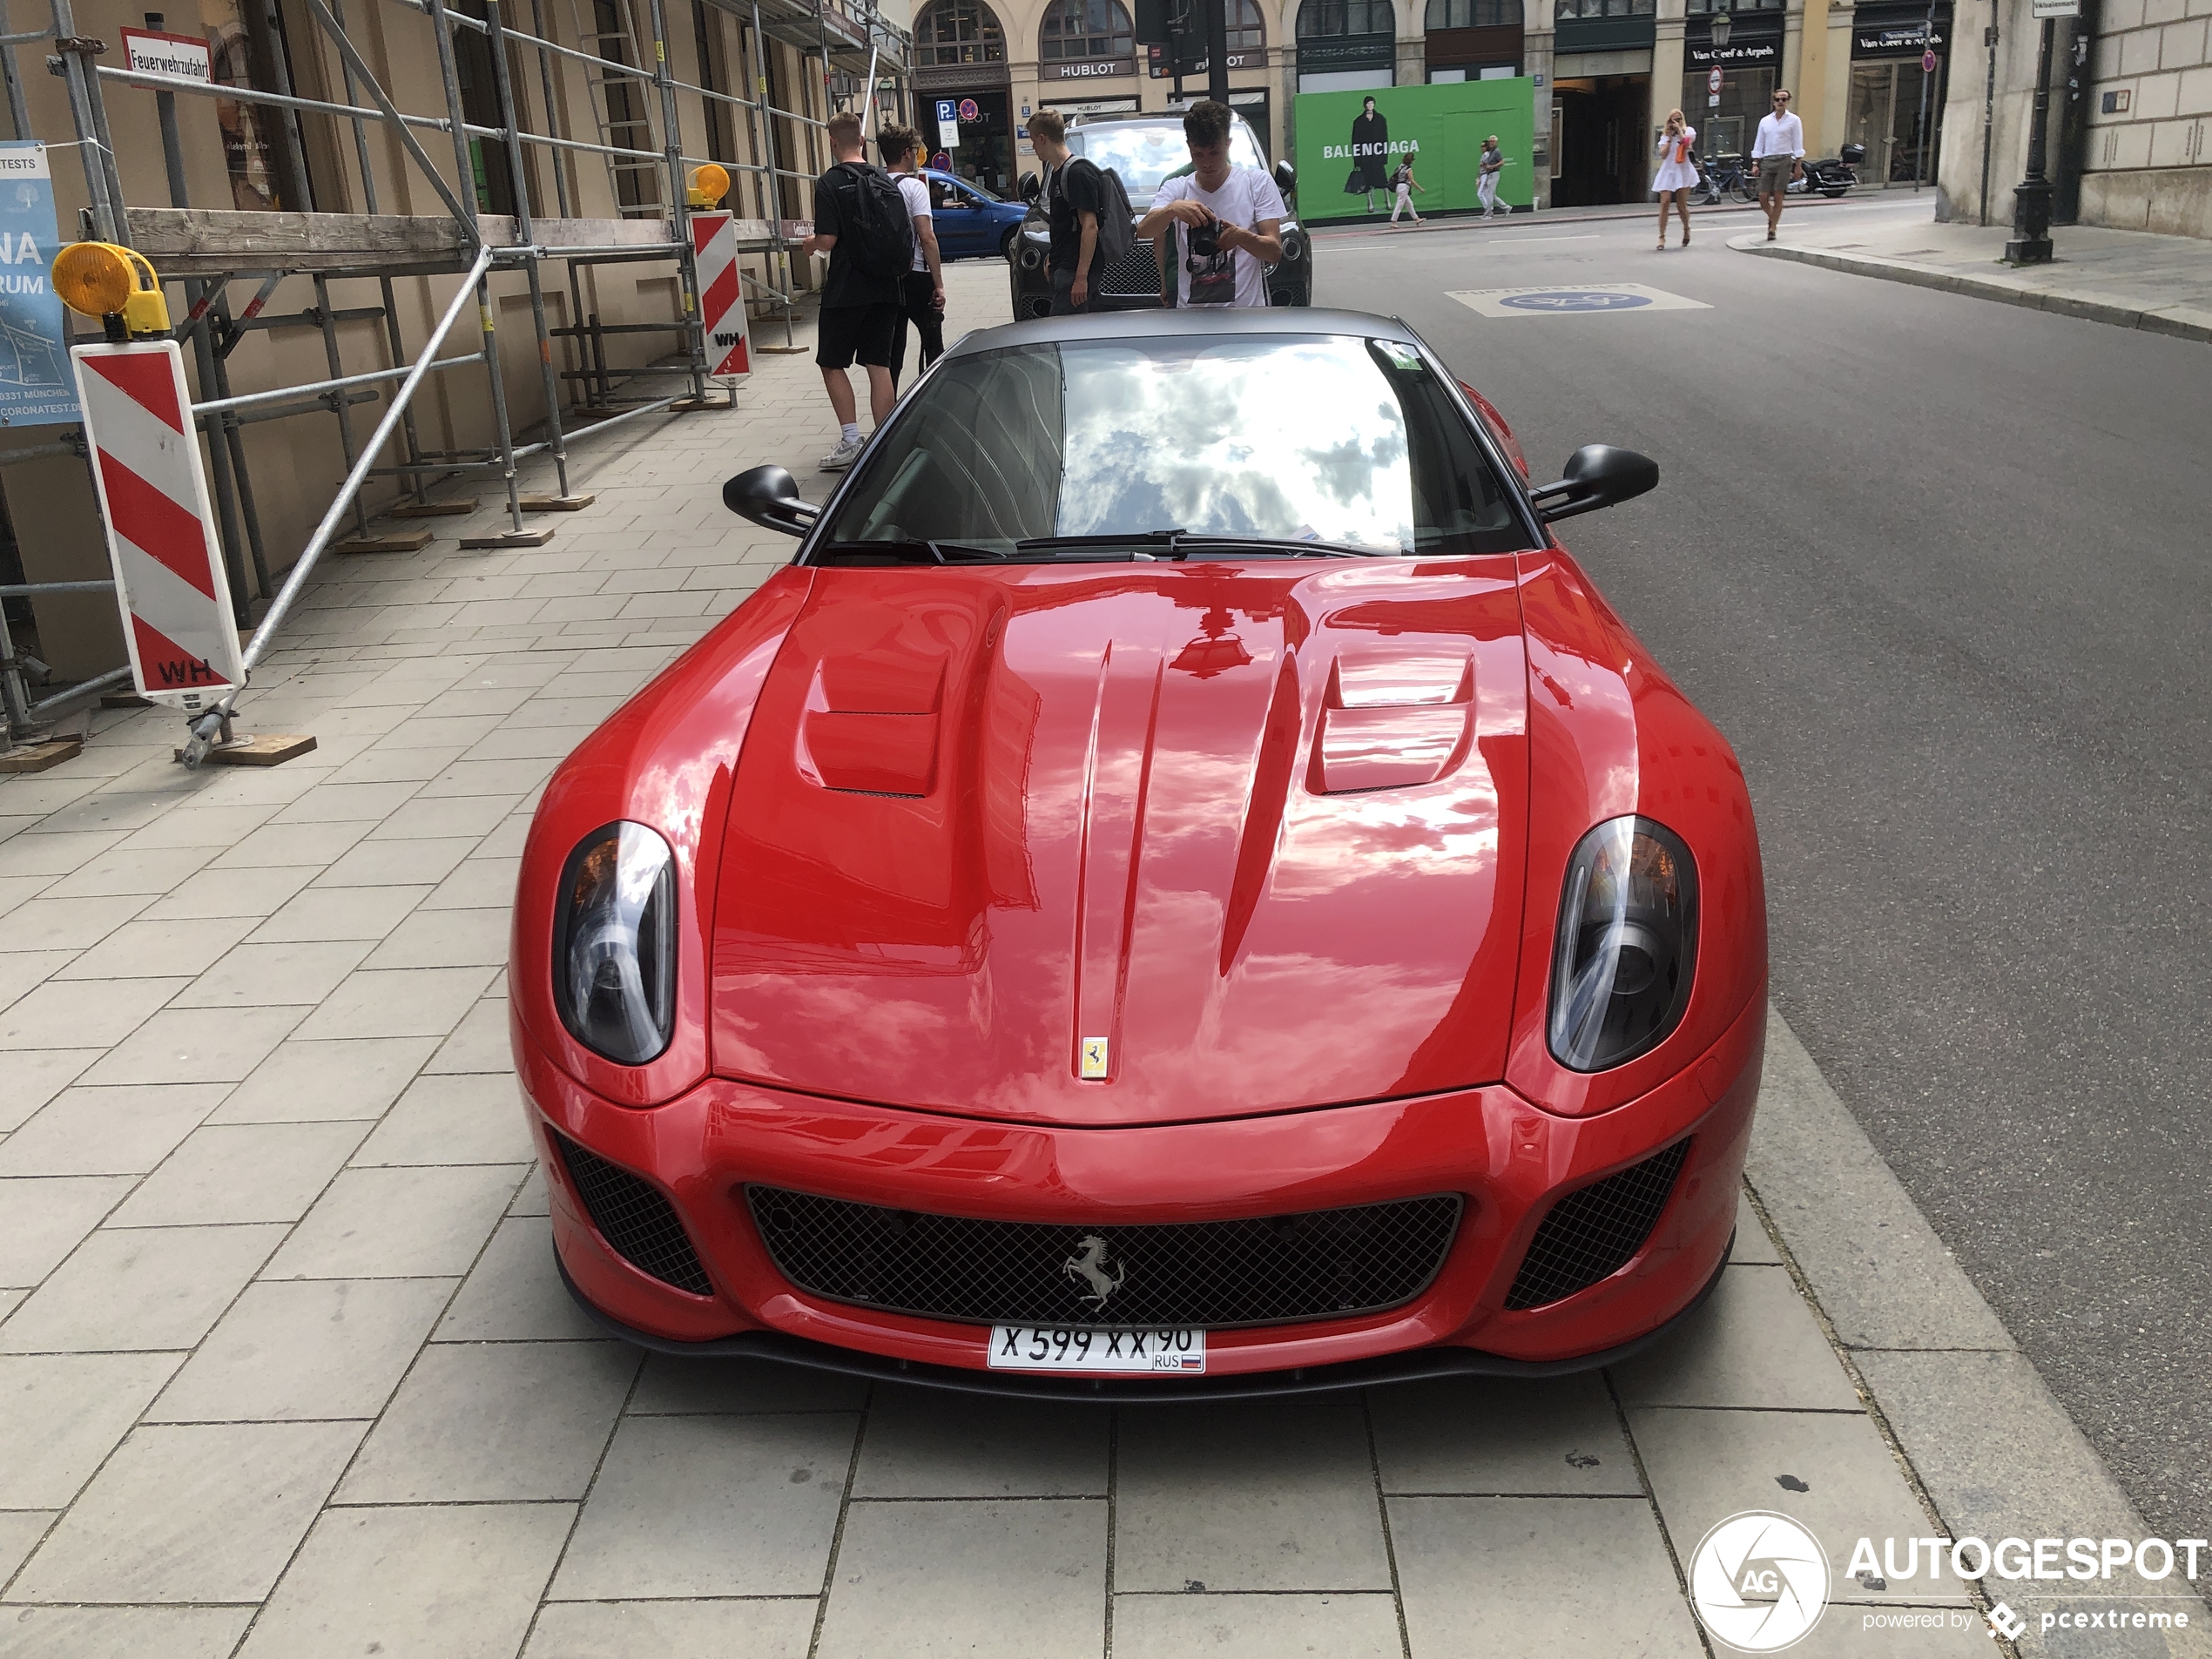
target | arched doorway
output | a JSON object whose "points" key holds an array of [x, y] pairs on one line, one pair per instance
{"points": [[959, 57]]}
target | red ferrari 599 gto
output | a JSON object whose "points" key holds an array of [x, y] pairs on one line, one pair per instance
{"points": [[1182, 887]]}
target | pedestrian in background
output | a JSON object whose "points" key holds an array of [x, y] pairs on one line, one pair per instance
{"points": [[1486, 184], [1403, 184], [1072, 196], [922, 298], [860, 295], [1220, 223], [1677, 174], [1778, 153]]}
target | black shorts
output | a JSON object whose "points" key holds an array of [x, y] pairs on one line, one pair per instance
{"points": [[848, 334]]}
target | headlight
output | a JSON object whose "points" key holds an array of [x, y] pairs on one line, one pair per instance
{"points": [[614, 943], [1293, 247], [1627, 944]]}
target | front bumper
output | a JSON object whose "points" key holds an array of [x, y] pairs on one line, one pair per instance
{"points": [[1510, 1158]]}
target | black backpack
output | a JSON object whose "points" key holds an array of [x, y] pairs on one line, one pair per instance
{"points": [[1116, 219], [879, 234]]}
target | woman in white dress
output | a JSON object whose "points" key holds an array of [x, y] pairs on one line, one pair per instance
{"points": [[1677, 173]]}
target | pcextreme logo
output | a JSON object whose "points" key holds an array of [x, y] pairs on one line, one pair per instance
{"points": [[1759, 1581]]}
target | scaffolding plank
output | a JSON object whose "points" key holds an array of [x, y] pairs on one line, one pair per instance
{"points": [[208, 241]]}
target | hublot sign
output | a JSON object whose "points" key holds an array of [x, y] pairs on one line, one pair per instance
{"points": [[1096, 70]]}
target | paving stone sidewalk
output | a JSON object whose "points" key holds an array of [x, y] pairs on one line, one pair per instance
{"points": [[2135, 279], [286, 1370]]}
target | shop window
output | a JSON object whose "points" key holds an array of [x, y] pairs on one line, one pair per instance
{"points": [[1589, 10], [954, 32], [1085, 30], [1247, 28], [1699, 8], [1317, 19], [1473, 14]]}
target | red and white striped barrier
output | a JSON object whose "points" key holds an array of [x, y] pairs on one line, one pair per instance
{"points": [[177, 617], [714, 250]]}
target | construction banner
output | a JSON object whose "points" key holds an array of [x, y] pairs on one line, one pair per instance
{"points": [[169, 579], [1350, 146], [35, 385]]}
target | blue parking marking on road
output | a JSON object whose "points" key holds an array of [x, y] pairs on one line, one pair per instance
{"points": [[1562, 300], [1576, 300]]}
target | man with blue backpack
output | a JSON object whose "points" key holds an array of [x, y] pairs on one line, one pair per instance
{"points": [[860, 222]]}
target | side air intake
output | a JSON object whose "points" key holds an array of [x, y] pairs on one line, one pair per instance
{"points": [[632, 1216], [1594, 1233]]}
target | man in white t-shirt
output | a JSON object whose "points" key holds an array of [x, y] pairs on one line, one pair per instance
{"points": [[1220, 226], [922, 293]]}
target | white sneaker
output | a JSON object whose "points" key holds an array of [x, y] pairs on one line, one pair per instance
{"points": [[841, 458]]}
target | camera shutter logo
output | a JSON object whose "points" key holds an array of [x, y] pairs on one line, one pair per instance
{"points": [[1759, 1581]]}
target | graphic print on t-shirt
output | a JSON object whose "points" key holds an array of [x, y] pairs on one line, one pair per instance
{"points": [[1213, 281]]}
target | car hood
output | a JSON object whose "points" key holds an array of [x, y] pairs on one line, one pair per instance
{"points": [[1230, 838]]}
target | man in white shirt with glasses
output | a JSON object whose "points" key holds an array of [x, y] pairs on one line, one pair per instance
{"points": [[1777, 153]]}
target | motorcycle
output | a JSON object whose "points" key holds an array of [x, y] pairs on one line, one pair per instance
{"points": [[1830, 179]]}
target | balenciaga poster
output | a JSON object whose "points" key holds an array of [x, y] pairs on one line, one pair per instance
{"points": [[1351, 147]]}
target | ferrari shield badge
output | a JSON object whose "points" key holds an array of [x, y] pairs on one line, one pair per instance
{"points": [[1094, 1063]]}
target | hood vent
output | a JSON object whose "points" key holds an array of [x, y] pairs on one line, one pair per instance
{"points": [[1393, 722], [870, 726]]}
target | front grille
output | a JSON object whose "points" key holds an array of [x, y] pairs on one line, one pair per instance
{"points": [[632, 1216], [1135, 275], [1327, 1263], [1592, 1234]]}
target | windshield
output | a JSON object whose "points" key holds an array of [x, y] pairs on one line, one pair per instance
{"points": [[1145, 153], [1285, 438]]}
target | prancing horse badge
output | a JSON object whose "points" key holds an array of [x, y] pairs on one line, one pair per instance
{"points": [[1094, 1066]]}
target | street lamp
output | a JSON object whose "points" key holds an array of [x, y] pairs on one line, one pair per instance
{"points": [[1723, 25], [2030, 243]]}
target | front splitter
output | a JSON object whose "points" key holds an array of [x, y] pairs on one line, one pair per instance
{"points": [[1417, 1365]]}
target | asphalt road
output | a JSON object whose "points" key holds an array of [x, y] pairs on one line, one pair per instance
{"points": [[1937, 567]]}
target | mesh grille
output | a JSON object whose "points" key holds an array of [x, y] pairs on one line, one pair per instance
{"points": [[1135, 275], [1591, 1234], [633, 1218], [1323, 1264]]}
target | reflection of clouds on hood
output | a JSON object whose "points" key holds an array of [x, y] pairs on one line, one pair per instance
{"points": [[1281, 439]]}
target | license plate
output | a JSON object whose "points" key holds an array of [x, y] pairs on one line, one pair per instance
{"points": [[1031, 1347]]}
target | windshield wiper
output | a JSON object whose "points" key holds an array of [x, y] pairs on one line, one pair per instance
{"points": [[1180, 544], [933, 552]]}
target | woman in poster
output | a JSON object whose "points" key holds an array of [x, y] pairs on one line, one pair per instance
{"points": [[1370, 143]]}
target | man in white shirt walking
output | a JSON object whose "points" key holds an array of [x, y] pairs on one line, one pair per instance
{"points": [[1777, 152], [922, 300], [1221, 225]]}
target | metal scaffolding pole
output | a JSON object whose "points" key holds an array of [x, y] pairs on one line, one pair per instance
{"points": [[687, 277], [464, 167], [561, 500]]}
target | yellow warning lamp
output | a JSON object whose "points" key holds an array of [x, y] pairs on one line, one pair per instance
{"points": [[709, 185], [114, 284]]}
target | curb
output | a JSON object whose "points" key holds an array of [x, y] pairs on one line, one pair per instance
{"points": [[1982, 1438], [1920, 276]]}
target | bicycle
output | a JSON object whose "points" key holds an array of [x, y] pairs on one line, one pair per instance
{"points": [[1728, 176]]}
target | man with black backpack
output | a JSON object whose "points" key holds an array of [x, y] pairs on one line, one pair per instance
{"points": [[1087, 211], [860, 222]]}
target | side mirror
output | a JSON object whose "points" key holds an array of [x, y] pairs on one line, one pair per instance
{"points": [[1285, 177], [1597, 475], [769, 496], [1029, 188]]}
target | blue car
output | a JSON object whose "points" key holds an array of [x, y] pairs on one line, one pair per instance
{"points": [[970, 222]]}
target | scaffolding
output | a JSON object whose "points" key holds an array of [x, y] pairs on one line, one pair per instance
{"points": [[639, 139]]}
